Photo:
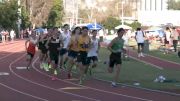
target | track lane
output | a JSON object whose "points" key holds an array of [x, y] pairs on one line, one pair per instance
{"points": [[55, 95]]}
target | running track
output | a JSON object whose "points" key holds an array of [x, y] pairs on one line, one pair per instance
{"points": [[36, 85]]}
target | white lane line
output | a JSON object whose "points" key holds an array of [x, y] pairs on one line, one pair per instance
{"points": [[147, 63], [76, 95], [10, 67], [128, 96], [21, 68], [23, 92], [4, 74], [72, 88]]}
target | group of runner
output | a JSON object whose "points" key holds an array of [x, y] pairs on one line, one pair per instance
{"points": [[63, 50]]}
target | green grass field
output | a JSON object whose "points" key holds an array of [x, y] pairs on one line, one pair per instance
{"points": [[133, 70], [154, 51]]}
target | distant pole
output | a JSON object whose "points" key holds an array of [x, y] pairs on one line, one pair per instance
{"points": [[122, 12], [77, 11], [73, 10], [19, 19]]}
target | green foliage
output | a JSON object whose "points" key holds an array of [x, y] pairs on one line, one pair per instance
{"points": [[110, 23], [56, 14], [173, 4], [25, 18], [135, 25], [8, 14]]}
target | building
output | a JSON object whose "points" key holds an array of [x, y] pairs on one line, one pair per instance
{"points": [[156, 13], [147, 12], [153, 5]]}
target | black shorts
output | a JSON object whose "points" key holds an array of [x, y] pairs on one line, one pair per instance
{"points": [[166, 42], [82, 57], [92, 59], [72, 54], [44, 50], [141, 44], [179, 54], [30, 54], [63, 51], [115, 58], [54, 57]]}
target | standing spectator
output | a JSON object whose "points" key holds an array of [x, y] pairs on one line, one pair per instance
{"points": [[167, 40], [12, 35], [3, 36], [6, 35], [175, 36], [22, 34], [139, 37]]}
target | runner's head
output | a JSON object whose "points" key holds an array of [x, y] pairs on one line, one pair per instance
{"points": [[120, 32], [138, 29], [33, 34], [94, 33], [77, 30], [66, 27], [55, 30], [84, 31]]}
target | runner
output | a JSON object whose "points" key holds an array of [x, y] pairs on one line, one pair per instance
{"points": [[139, 37], [63, 52], [30, 46], [42, 49], [93, 52], [116, 48], [83, 46], [73, 49], [54, 44]]}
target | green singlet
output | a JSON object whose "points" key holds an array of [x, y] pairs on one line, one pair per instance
{"points": [[118, 45]]}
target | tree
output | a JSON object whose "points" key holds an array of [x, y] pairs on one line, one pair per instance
{"points": [[25, 18], [110, 23], [173, 4], [8, 14], [55, 17], [135, 25]]}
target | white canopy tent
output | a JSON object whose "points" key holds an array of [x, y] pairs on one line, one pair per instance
{"points": [[123, 26]]}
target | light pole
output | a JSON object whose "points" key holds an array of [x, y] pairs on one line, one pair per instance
{"points": [[19, 19], [122, 12], [77, 11]]}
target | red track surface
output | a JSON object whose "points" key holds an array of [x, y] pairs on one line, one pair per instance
{"points": [[36, 85]]}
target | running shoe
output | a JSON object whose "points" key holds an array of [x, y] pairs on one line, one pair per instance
{"points": [[53, 78], [113, 84]]}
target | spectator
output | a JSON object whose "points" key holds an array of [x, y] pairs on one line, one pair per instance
{"points": [[12, 35], [175, 36], [139, 36], [167, 40]]}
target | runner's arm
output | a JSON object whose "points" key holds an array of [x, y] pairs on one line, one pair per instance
{"points": [[26, 42], [110, 45], [47, 43]]}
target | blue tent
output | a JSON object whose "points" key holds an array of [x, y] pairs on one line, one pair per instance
{"points": [[39, 30], [94, 26]]}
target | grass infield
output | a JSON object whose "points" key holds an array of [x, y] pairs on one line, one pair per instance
{"points": [[134, 71]]}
